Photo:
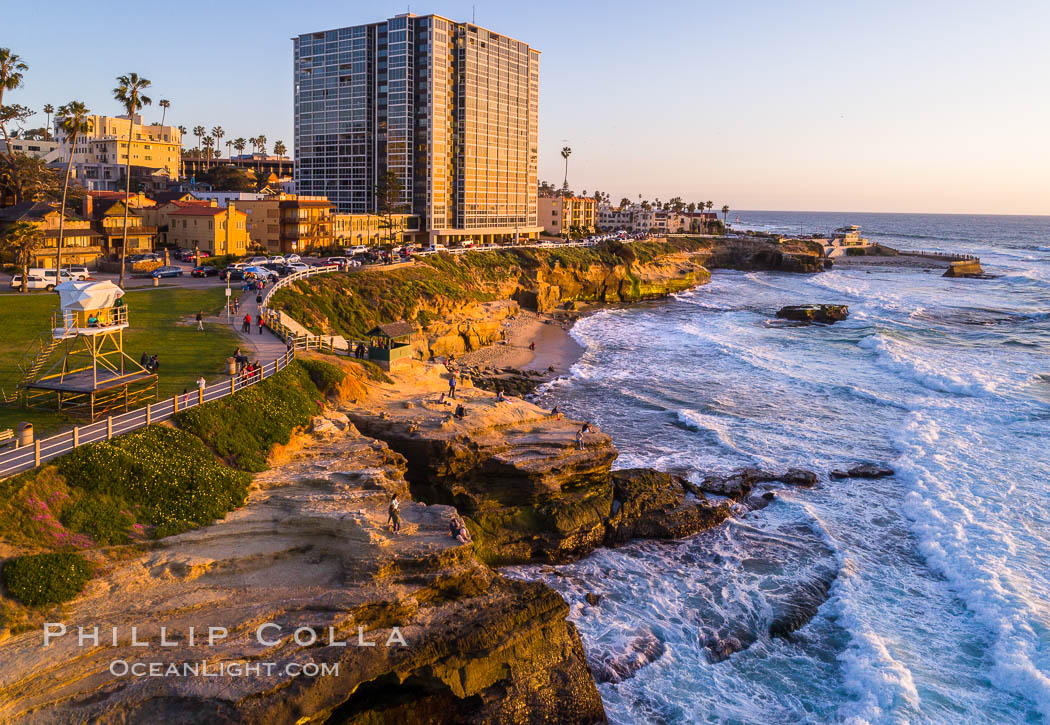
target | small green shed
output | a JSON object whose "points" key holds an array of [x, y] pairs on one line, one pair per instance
{"points": [[389, 343]]}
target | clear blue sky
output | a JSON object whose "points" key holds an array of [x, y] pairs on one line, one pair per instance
{"points": [[818, 105]]}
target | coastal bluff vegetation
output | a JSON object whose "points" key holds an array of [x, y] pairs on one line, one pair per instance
{"points": [[460, 301]]}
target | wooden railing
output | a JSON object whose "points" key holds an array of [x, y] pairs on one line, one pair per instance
{"points": [[44, 449]]}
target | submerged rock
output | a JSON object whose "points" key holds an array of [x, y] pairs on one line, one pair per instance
{"points": [[798, 477], [826, 314], [643, 650], [870, 470]]}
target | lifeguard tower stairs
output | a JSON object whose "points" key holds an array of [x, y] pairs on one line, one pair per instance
{"points": [[92, 375]]}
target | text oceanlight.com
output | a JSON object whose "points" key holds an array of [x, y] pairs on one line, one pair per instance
{"points": [[123, 668]]}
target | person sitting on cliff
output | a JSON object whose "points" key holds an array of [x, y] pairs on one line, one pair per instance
{"points": [[394, 514], [461, 412], [441, 400], [499, 396], [532, 346], [556, 411]]}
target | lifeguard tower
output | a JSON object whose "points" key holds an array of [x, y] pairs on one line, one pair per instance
{"points": [[93, 375]]}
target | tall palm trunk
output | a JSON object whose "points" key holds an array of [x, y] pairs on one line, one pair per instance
{"points": [[127, 201], [62, 216]]}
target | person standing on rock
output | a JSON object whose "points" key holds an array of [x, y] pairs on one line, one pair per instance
{"points": [[579, 439], [394, 514], [452, 385]]}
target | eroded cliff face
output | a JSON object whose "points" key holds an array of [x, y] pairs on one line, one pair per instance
{"points": [[528, 492], [310, 549]]}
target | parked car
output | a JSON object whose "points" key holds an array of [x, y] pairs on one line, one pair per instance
{"points": [[34, 281], [232, 272], [293, 258], [78, 273], [281, 269], [257, 260], [204, 271], [299, 267], [341, 262], [168, 271], [260, 272], [278, 259]]}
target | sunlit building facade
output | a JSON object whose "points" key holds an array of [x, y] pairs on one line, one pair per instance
{"points": [[450, 108]]}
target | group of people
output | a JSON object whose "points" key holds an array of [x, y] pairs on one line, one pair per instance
{"points": [[150, 362], [246, 323], [456, 528], [251, 372]]}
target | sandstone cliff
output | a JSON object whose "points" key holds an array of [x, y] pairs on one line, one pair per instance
{"points": [[310, 550]]}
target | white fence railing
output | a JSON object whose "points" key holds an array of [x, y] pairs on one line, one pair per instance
{"points": [[44, 449]]}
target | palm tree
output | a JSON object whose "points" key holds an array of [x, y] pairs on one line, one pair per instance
{"points": [[217, 133], [129, 93], [199, 132], [229, 154], [73, 122], [22, 239], [209, 144], [565, 152], [182, 129], [254, 142], [239, 144], [165, 104], [725, 213], [11, 69], [279, 148], [48, 110], [261, 140], [625, 202]]}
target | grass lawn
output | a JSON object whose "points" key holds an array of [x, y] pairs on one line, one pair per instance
{"points": [[157, 326]]}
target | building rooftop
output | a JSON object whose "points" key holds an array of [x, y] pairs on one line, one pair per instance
{"points": [[32, 211], [198, 210]]}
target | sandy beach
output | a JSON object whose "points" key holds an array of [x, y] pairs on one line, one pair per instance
{"points": [[555, 347]]}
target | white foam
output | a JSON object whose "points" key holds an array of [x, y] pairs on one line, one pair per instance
{"points": [[892, 355], [972, 557]]}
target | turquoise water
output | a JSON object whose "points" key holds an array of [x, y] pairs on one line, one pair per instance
{"points": [[939, 602]]}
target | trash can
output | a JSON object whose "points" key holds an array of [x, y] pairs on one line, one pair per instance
{"points": [[231, 366], [156, 281], [25, 434]]}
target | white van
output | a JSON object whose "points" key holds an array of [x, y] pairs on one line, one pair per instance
{"points": [[437, 247], [51, 275], [355, 249]]}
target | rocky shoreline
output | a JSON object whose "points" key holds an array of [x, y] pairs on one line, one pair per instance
{"points": [[311, 554]]}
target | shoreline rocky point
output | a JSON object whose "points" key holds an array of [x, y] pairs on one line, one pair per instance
{"points": [[311, 559]]}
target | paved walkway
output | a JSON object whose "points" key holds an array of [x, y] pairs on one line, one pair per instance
{"points": [[262, 348]]}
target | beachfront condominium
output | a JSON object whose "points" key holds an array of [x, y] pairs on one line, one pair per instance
{"points": [[450, 109]]}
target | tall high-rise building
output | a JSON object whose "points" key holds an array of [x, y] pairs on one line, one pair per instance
{"points": [[450, 108]]}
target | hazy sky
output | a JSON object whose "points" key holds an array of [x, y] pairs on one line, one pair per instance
{"points": [[831, 105]]}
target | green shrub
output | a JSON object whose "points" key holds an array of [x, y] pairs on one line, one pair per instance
{"points": [[40, 579], [374, 372], [169, 474], [324, 375], [100, 516], [243, 427]]}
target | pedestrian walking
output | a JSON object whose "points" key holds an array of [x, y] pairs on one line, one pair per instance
{"points": [[259, 319], [200, 320], [394, 514], [246, 323]]}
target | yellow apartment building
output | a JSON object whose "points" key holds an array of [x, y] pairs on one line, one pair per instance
{"points": [[102, 153], [373, 230], [561, 215], [211, 229]]}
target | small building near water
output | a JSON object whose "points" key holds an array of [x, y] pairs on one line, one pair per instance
{"points": [[390, 344]]}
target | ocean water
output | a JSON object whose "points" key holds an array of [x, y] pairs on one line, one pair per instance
{"points": [[937, 579]]}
